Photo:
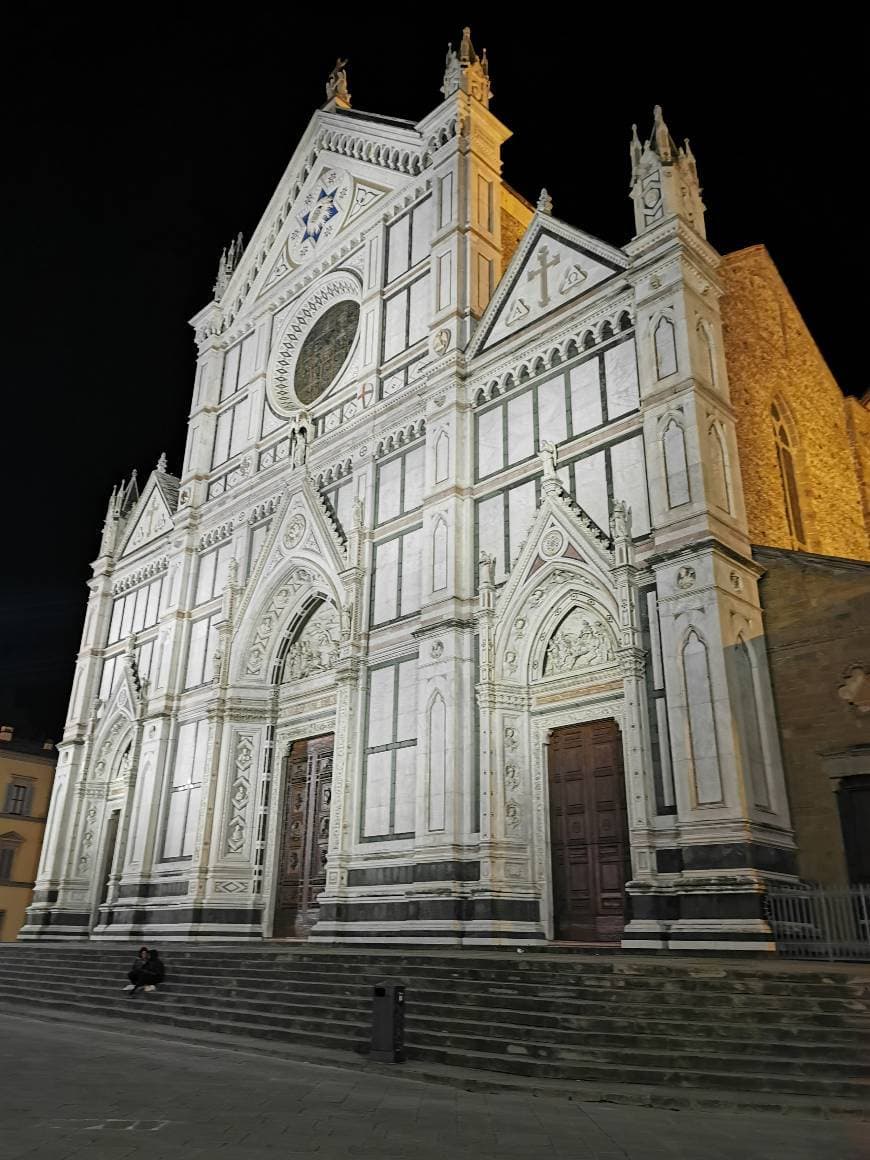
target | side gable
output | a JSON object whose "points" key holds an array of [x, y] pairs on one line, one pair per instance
{"points": [[153, 513], [553, 265]]}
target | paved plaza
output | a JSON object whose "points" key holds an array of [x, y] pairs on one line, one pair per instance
{"points": [[69, 1091]]}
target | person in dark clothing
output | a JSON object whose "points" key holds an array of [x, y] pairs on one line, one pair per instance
{"points": [[153, 971], [138, 963], [148, 974]]}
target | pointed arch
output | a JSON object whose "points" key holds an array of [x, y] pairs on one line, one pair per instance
{"points": [[665, 343], [787, 445], [439, 554], [283, 609], [720, 468], [310, 640], [705, 345], [676, 462], [702, 742], [436, 762], [749, 719], [442, 456]]}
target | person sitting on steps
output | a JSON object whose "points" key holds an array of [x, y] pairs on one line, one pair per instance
{"points": [[138, 963], [150, 974]]}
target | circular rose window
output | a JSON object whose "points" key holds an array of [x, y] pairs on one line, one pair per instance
{"points": [[314, 344], [324, 351]]}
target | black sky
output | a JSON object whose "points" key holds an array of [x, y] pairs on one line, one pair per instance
{"points": [[133, 156]]}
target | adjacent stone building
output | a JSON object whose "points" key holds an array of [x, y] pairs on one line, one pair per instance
{"points": [[26, 772], [448, 629]]}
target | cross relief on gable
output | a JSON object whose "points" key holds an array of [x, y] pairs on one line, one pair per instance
{"points": [[553, 273], [152, 522]]}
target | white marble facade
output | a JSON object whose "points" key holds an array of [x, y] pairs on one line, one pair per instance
{"points": [[493, 494]]}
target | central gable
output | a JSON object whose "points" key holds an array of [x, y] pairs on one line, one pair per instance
{"points": [[346, 164], [333, 199], [553, 265]]}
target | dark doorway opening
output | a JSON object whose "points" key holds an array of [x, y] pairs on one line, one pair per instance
{"points": [[853, 799], [589, 841], [304, 836]]}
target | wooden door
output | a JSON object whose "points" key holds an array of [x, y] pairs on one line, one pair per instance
{"points": [[304, 836], [588, 832]]}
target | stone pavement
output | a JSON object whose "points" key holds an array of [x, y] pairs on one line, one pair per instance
{"points": [[67, 1091]]}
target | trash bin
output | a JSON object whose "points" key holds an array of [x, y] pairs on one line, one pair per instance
{"points": [[388, 1023]]}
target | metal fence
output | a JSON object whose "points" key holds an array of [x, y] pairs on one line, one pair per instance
{"points": [[820, 922]]}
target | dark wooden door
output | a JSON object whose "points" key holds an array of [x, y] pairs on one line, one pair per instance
{"points": [[588, 832], [305, 836]]}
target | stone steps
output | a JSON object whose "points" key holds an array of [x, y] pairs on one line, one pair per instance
{"points": [[700, 1025], [522, 1035], [853, 996], [535, 968]]}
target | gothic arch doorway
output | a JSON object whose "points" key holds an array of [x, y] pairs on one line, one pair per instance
{"points": [[589, 843]]}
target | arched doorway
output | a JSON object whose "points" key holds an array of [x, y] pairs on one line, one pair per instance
{"points": [[589, 843]]}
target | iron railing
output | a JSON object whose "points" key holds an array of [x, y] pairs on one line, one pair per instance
{"points": [[820, 922]]}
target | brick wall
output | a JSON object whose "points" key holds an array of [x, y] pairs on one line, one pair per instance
{"points": [[817, 616], [771, 354]]}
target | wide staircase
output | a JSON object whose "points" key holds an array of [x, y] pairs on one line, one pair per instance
{"points": [[729, 1031]]}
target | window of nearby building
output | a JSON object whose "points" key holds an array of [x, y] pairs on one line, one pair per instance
{"points": [[785, 457], [7, 854], [18, 796]]}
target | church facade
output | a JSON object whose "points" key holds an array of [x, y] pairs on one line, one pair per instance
{"points": [[448, 629]]}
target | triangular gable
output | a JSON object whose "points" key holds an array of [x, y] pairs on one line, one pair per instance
{"points": [[333, 199], [302, 530], [345, 165], [125, 696], [122, 709], [561, 533], [553, 265], [153, 513]]}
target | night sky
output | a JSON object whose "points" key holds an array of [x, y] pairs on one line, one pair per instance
{"points": [[134, 154]]}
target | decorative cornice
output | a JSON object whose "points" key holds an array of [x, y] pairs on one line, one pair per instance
{"points": [[146, 572], [612, 322]]}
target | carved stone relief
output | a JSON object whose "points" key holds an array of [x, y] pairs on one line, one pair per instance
{"points": [[581, 641], [316, 649], [296, 580], [855, 690], [294, 531], [240, 794]]}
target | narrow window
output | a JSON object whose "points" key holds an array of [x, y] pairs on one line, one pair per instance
{"points": [[785, 459]]}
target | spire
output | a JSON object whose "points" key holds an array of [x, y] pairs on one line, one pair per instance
{"points": [[337, 96], [664, 179], [230, 258], [467, 72], [661, 140], [161, 463], [120, 502]]}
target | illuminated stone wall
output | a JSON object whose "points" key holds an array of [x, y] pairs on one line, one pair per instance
{"points": [[816, 614], [858, 426], [771, 355], [515, 217]]}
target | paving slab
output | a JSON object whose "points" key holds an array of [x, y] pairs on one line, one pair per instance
{"points": [[71, 1092]]}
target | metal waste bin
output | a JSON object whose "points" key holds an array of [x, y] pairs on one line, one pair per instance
{"points": [[388, 1023]]}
